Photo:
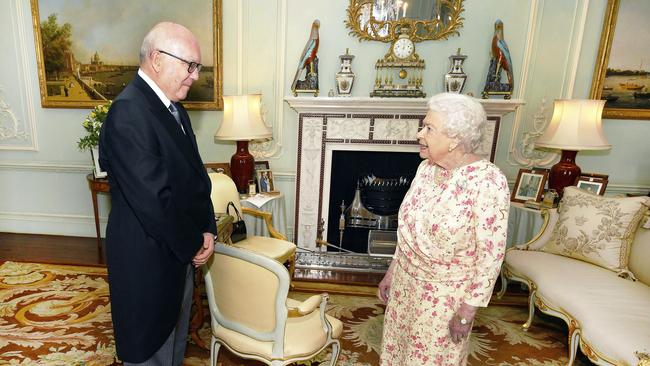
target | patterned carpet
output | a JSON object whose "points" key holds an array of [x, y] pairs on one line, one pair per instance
{"points": [[60, 315]]}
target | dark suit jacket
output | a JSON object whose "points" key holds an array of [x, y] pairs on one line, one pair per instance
{"points": [[161, 207]]}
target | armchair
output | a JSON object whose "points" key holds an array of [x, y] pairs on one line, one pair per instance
{"points": [[276, 247], [253, 317]]}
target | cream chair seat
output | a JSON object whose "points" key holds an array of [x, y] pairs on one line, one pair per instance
{"points": [[253, 317], [277, 247]]}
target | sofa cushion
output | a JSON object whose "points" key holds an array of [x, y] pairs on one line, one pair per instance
{"points": [[640, 253], [612, 312], [596, 229]]}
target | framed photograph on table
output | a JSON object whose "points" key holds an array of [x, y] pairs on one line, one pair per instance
{"points": [[529, 185], [84, 60], [218, 168], [265, 181], [261, 165], [621, 74], [594, 183]]}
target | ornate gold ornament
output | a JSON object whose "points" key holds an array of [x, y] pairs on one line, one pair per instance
{"points": [[399, 72], [363, 23]]}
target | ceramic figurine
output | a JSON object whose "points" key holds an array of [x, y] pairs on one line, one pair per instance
{"points": [[309, 64], [345, 77], [499, 61], [456, 77]]}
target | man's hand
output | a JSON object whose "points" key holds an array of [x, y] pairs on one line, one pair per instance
{"points": [[457, 330], [206, 250]]}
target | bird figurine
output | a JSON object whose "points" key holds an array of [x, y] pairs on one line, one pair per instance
{"points": [[500, 60], [501, 52], [309, 63]]}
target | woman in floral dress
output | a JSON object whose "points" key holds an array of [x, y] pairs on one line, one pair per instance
{"points": [[451, 240]]}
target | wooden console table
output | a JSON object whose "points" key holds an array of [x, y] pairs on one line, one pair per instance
{"points": [[97, 185]]}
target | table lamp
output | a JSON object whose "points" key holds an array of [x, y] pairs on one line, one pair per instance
{"points": [[242, 122], [576, 125]]}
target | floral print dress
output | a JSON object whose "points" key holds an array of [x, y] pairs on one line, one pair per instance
{"points": [[451, 243]]}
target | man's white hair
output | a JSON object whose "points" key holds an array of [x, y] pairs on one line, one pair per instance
{"points": [[463, 118], [160, 35]]}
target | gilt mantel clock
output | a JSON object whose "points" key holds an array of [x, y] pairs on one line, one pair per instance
{"points": [[399, 73]]}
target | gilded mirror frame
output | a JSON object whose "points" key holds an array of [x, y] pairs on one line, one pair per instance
{"points": [[417, 30]]}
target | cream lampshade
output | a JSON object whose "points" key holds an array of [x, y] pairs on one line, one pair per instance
{"points": [[242, 122], [576, 125]]}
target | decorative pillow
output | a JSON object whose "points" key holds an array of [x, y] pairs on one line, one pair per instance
{"points": [[597, 229]]}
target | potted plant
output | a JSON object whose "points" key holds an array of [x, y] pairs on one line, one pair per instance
{"points": [[93, 124]]}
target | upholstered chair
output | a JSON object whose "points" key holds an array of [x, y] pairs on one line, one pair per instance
{"points": [[253, 317], [276, 247]]}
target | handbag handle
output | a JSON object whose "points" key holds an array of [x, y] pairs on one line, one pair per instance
{"points": [[235, 208]]}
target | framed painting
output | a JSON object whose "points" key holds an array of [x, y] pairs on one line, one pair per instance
{"points": [[594, 183], [529, 185], [621, 75], [88, 51]]}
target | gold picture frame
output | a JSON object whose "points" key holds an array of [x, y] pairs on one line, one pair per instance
{"points": [[265, 181], [625, 95], [85, 58]]}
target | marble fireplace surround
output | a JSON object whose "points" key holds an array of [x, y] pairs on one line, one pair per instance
{"points": [[358, 124]]}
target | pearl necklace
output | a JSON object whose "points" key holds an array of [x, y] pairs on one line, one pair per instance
{"points": [[442, 175]]}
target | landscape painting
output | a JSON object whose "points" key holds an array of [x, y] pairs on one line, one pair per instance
{"points": [[621, 75], [88, 50]]}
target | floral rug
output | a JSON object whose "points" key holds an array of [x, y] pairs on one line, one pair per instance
{"points": [[60, 315]]}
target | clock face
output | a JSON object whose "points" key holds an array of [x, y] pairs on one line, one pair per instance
{"points": [[403, 48]]}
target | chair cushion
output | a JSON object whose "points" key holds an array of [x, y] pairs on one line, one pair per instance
{"points": [[303, 336], [612, 312], [596, 229], [280, 250]]}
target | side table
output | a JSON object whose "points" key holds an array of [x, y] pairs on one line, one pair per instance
{"points": [[97, 185], [275, 205], [523, 224]]}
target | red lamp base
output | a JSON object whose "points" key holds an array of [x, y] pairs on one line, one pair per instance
{"points": [[242, 166], [564, 173]]}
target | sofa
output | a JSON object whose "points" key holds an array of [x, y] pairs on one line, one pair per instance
{"points": [[590, 266]]}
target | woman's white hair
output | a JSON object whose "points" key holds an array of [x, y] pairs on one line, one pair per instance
{"points": [[463, 118]]}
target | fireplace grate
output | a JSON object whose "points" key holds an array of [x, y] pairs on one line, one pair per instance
{"points": [[342, 261]]}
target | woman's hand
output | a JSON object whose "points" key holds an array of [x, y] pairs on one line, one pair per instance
{"points": [[384, 286], [457, 330]]}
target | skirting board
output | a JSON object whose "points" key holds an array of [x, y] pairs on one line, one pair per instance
{"points": [[49, 224]]}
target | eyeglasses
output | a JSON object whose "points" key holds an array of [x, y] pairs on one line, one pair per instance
{"points": [[191, 66]]}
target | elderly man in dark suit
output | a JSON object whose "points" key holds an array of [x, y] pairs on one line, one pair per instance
{"points": [[162, 221]]}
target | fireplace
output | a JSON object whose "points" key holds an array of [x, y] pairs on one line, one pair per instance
{"points": [[332, 126], [365, 191]]}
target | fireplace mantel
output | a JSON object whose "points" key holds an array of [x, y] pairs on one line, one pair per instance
{"points": [[360, 124], [493, 107]]}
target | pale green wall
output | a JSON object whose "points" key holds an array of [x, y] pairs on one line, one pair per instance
{"points": [[44, 191]]}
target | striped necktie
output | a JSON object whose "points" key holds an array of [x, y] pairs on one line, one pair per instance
{"points": [[177, 116]]}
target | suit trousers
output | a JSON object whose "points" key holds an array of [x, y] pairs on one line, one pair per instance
{"points": [[172, 352]]}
